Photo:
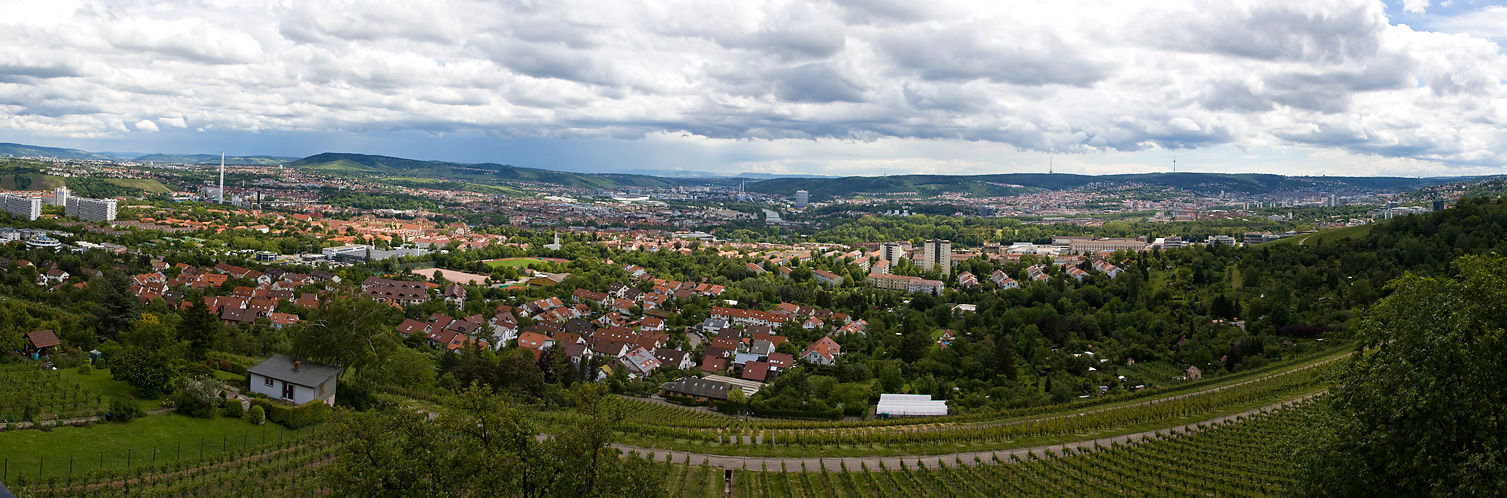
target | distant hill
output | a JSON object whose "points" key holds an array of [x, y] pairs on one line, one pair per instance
{"points": [[1249, 183], [341, 163], [215, 159], [673, 173], [22, 150]]}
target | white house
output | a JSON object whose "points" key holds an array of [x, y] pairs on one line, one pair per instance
{"points": [[297, 381]]}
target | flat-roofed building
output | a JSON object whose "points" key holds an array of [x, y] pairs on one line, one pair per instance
{"points": [[937, 255], [91, 209], [20, 206]]}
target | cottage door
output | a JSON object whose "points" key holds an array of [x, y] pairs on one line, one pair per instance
{"points": [[288, 390]]}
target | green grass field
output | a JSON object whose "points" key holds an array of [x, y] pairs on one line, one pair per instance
{"points": [[1330, 235], [149, 185], [109, 388], [169, 436], [515, 262]]}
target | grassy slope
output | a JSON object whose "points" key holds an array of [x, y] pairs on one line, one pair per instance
{"points": [[109, 388], [149, 185], [1323, 236], [38, 181]]}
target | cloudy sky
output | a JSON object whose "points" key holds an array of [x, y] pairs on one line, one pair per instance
{"points": [[1339, 87]]}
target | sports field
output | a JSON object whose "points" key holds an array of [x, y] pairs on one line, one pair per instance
{"points": [[522, 262]]}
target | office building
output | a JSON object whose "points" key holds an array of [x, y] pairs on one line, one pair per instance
{"points": [[802, 198], [92, 209], [20, 206], [938, 256]]}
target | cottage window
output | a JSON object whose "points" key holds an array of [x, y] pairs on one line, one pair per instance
{"points": [[267, 381]]}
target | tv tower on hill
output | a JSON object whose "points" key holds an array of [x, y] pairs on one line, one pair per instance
{"points": [[222, 178]]}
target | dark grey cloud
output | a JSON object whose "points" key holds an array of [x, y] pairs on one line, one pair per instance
{"points": [[816, 83], [1226, 95]]}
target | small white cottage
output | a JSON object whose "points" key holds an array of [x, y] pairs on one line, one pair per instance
{"points": [[296, 381]]}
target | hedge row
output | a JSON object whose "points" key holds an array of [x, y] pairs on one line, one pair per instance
{"points": [[293, 416]]}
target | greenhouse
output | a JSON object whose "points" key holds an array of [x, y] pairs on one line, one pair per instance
{"points": [[910, 405]]}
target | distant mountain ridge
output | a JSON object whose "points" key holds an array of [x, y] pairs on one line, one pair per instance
{"points": [[347, 163], [23, 150], [214, 159]]}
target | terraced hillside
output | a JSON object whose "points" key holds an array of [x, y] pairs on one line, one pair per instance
{"points": [[684, 430]]}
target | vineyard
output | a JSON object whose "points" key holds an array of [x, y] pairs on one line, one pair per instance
{"points": [[278, 468], [27, 392], [688, 430], [1239, 458], [659, 414]]}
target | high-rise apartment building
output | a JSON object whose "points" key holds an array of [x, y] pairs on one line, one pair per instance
{"points": [[60, 197], [891, 251], [20, 206], [802, 198], [92, 209], [938, 256]]}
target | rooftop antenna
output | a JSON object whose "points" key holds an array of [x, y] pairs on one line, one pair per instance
{"points": [[222, 178]]}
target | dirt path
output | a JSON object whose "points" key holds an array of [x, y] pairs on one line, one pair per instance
{"points": [[70, 422]]}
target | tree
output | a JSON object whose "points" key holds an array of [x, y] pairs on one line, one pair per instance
{"points": [[199, 396], [199, 327], [350, 331], [148, 358], [890, 379], [1421, 405], [150, 372]]}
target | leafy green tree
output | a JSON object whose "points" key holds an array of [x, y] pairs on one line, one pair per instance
{"points": [[148, 357], [350, 331], [1421, 406], [150, 372], [199, 327]]}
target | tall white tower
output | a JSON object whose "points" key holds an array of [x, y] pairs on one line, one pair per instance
{"points": [[222, 178], [60, 197]]}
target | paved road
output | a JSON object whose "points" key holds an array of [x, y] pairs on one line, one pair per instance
{"points": [[855, 464]]}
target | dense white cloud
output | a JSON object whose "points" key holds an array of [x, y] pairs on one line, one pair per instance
{"points": [[1052, 77]]}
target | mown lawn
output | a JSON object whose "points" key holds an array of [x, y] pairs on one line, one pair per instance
{"points": [[514, 262], [101, 382], [110, 445]]}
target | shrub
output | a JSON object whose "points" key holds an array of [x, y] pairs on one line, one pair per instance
{"points": [[199, 396], [85, 369], [123, 410], [290, 416], [258, 415], [225, 365], [233, 409]]}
